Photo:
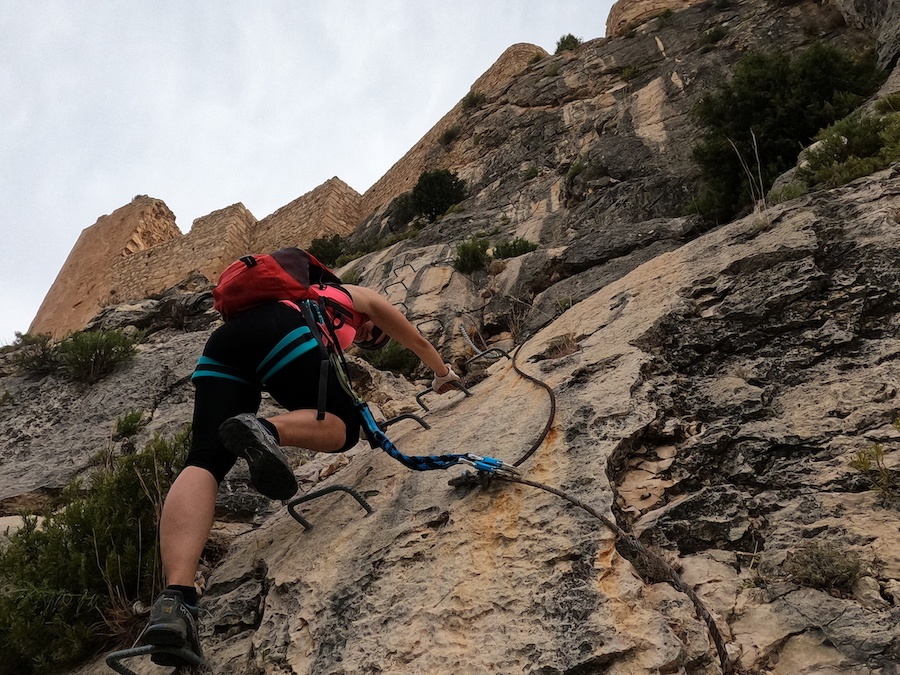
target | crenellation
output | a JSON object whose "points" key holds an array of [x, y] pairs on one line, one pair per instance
{"points": [[213, 242], [331, 208]]}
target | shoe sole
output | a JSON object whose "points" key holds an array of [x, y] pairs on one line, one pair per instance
{"points": [[164, 658], [163, 636], [270, 475]]}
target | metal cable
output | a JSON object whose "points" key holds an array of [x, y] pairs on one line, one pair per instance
{"points": [[649, 564], [550, 417]]}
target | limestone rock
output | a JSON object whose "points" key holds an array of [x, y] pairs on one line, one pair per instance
{"points": [[717, 387], [882, 18]]}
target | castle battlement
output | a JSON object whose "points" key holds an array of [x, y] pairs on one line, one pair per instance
{"points": [[138, 251]]}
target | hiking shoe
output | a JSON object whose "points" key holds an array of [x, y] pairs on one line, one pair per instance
{"points": [[270, 473], [172, 624]]}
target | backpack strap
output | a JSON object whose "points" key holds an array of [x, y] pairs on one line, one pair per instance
{"points": [[315, 320]]}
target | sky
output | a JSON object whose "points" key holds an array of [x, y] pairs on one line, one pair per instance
{"points": [[204, 104]]}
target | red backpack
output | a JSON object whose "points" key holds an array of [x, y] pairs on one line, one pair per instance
{"points": [[286, 274]]}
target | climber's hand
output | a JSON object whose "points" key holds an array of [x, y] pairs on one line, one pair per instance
{"points": [[444, 383]]}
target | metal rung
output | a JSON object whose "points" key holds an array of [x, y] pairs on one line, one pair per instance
{"points": [[421, 394], [424, 321], [405, 416], [479, 353], [397, 269], [396, 283], [114, 659], [319, 493]]}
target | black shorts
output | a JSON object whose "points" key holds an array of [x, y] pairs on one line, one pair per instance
{"points": [[229, 379]]}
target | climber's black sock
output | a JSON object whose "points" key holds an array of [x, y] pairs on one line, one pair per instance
{"points": [[270, 428], [189, 593]]}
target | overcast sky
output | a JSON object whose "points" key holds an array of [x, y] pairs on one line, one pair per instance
{"points": [[203, 104]]}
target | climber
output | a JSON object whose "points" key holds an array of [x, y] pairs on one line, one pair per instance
{"points": [[267, 346]]}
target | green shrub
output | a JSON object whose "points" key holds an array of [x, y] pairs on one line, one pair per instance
{"points": [[90, 356], [403, 209], [773, 105], [472, 100], [35, 354], [889, 104], [712, 36], [437, 191], [565, 303], [664, 18], [576, 169], [567, 43], [870, 463], [824, 566], [449, 135], [375, 244], [511, 249], [855, 146], [530, 172], [393, 357], [353, 277], [348, 257], [129, 423], [471, 255], [790, 191], [66, 585], [629, 73], [327, 249]]}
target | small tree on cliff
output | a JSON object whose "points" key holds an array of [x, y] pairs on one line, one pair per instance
{"points": [[567, 43], [327, 249], [437, 191], [772, 107]]}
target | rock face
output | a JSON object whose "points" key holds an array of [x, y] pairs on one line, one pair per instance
{"points": [[625, 15], [882, 18], [712, 391], [713, 406]]}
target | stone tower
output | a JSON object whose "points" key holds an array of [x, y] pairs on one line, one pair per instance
{"points": [[83, 284], [138, 251]]}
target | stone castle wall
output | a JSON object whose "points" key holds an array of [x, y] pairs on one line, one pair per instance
{"points": [[625, 14], [139, 251], [332, 208], [83, 284], [213, 242]]}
